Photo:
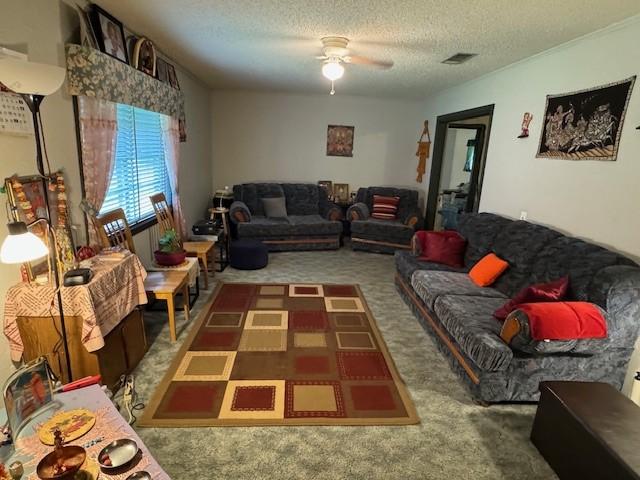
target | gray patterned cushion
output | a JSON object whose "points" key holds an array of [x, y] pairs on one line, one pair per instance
{"points": [[470, 322], [407, 263], [392, 231], [294, 225], [274, 207], [302, 198], [480, 231], [429, 285]]}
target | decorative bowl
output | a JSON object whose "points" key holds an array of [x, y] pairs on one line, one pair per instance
{"points": [[140, 475], [117, 454], [72, 457], [170, 259]]}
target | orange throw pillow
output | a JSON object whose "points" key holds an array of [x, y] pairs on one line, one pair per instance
{"points": [[487, 270]]}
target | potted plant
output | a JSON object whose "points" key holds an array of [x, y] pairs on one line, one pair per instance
{"points": [[171, 252]]}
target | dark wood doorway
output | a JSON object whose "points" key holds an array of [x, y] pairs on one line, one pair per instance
{"points": [[453, 120]]}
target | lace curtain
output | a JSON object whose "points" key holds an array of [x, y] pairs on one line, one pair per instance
{"points": [[98, 130], [171, 138]]}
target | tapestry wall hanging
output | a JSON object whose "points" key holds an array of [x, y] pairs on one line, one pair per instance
{"points": [[585, 125], [340, 141]]}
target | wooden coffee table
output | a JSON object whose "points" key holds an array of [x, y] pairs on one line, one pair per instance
{"points": [[164, 286]]}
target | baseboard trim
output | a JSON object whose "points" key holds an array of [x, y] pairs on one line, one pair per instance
{"points": [[377, 242], [436, 328]]}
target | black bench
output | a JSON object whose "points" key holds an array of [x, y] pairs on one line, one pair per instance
{"points": [[588, 430]]}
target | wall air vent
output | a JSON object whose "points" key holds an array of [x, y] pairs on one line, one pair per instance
{"points": [[459, 58]]}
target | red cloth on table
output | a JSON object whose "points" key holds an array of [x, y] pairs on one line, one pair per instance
{"points": [[564, 320]]}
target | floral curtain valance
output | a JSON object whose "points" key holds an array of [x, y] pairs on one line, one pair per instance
{"points": [[94, 74]]}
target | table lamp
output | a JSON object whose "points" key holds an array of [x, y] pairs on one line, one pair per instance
{"points": [[33, 81]]}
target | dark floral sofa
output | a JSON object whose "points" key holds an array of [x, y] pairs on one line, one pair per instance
{"points": [[312, 221], [384, 236], [459, 314]]}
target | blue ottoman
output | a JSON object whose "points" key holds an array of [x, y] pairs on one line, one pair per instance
{"points": [[249, 254]]}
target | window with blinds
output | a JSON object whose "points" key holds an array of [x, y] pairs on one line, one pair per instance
{"points": [[139, 169]]}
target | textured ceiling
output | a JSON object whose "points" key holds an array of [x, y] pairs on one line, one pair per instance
{"points": [[270, 45]]}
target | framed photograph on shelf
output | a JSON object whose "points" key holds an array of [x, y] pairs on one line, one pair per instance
{"points": [[327, 185], [109, 34], [341, 191], [162, 70], [340, 141], [173, 77], [87, 36], [144, 56]]}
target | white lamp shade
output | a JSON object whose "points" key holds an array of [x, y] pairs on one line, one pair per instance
{"points": [[30, 78], [22, 247], [332, 70]]}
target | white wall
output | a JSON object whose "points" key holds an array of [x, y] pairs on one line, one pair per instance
{"points": [[594, 200], [40, 28], [269, 136], [591, 199]]}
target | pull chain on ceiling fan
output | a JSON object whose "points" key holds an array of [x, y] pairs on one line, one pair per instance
{"points": [[335, 54]]}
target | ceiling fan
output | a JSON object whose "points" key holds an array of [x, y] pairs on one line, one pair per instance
{"points": [[335, 53]]}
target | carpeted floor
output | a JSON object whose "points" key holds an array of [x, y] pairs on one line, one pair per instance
{"points": [[456, 439]]}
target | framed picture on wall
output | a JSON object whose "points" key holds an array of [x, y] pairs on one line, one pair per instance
{"points": [[341, 191], [340, 141], [109, 34]]}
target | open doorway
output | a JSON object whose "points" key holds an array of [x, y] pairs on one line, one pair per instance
{"points": [[457, 167]]}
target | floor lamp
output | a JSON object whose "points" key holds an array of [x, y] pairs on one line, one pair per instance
{"points": [[33, 81]]}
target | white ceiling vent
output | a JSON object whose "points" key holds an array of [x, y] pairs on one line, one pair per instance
{"points": [[459, 58]]}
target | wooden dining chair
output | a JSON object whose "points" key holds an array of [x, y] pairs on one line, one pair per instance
{"points": [[202, 249], [113, 231]]}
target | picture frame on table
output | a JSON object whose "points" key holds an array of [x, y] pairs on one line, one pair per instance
{"points": [[109, 32], [341, 191], [26, 392]]}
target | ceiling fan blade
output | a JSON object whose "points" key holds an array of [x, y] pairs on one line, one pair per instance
{"points": [[384, 64], [321, 57]]}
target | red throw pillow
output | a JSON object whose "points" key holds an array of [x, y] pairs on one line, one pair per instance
{"points": [[385, 208], [540, 292], [564, 320], [442, 247]]}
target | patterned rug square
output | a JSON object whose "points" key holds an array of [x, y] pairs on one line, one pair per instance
{"points": [[274, 354]]}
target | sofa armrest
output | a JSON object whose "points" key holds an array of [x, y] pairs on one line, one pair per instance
{"points": [[358, 211], [516, 332], [617, 290], [239, 212], [332, 212], [413, 218], [417, 242]]}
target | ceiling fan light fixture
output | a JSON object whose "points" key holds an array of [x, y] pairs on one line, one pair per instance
{"points": [[332, 70]]}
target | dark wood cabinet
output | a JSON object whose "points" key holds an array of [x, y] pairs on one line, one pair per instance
{"points": [[124, 346]]}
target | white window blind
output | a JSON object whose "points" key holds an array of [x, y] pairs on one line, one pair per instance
{"points": [[139, 169]]}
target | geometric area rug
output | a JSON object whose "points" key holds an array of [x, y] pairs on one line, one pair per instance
{"points": [[282, 354]]}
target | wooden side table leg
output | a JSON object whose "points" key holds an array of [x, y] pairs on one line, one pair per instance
{"points": [[205, 267], [172, 316], [185, 293]]}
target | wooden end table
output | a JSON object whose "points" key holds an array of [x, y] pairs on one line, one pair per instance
{"points": [[201, 250], [164, 286]]}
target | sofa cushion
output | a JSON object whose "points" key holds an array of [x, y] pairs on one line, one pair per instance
{"points": [[540, 292], [441, 247], [519, 244], [382, 230], [293, 225], [407, 263], [480, 231], [469, 321], [274, 207], [429, 285], [487, 270], [251, 193], [264, 227], [302, 198], [580, 260], [385, 208], [313, 225], [408, 198]]}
